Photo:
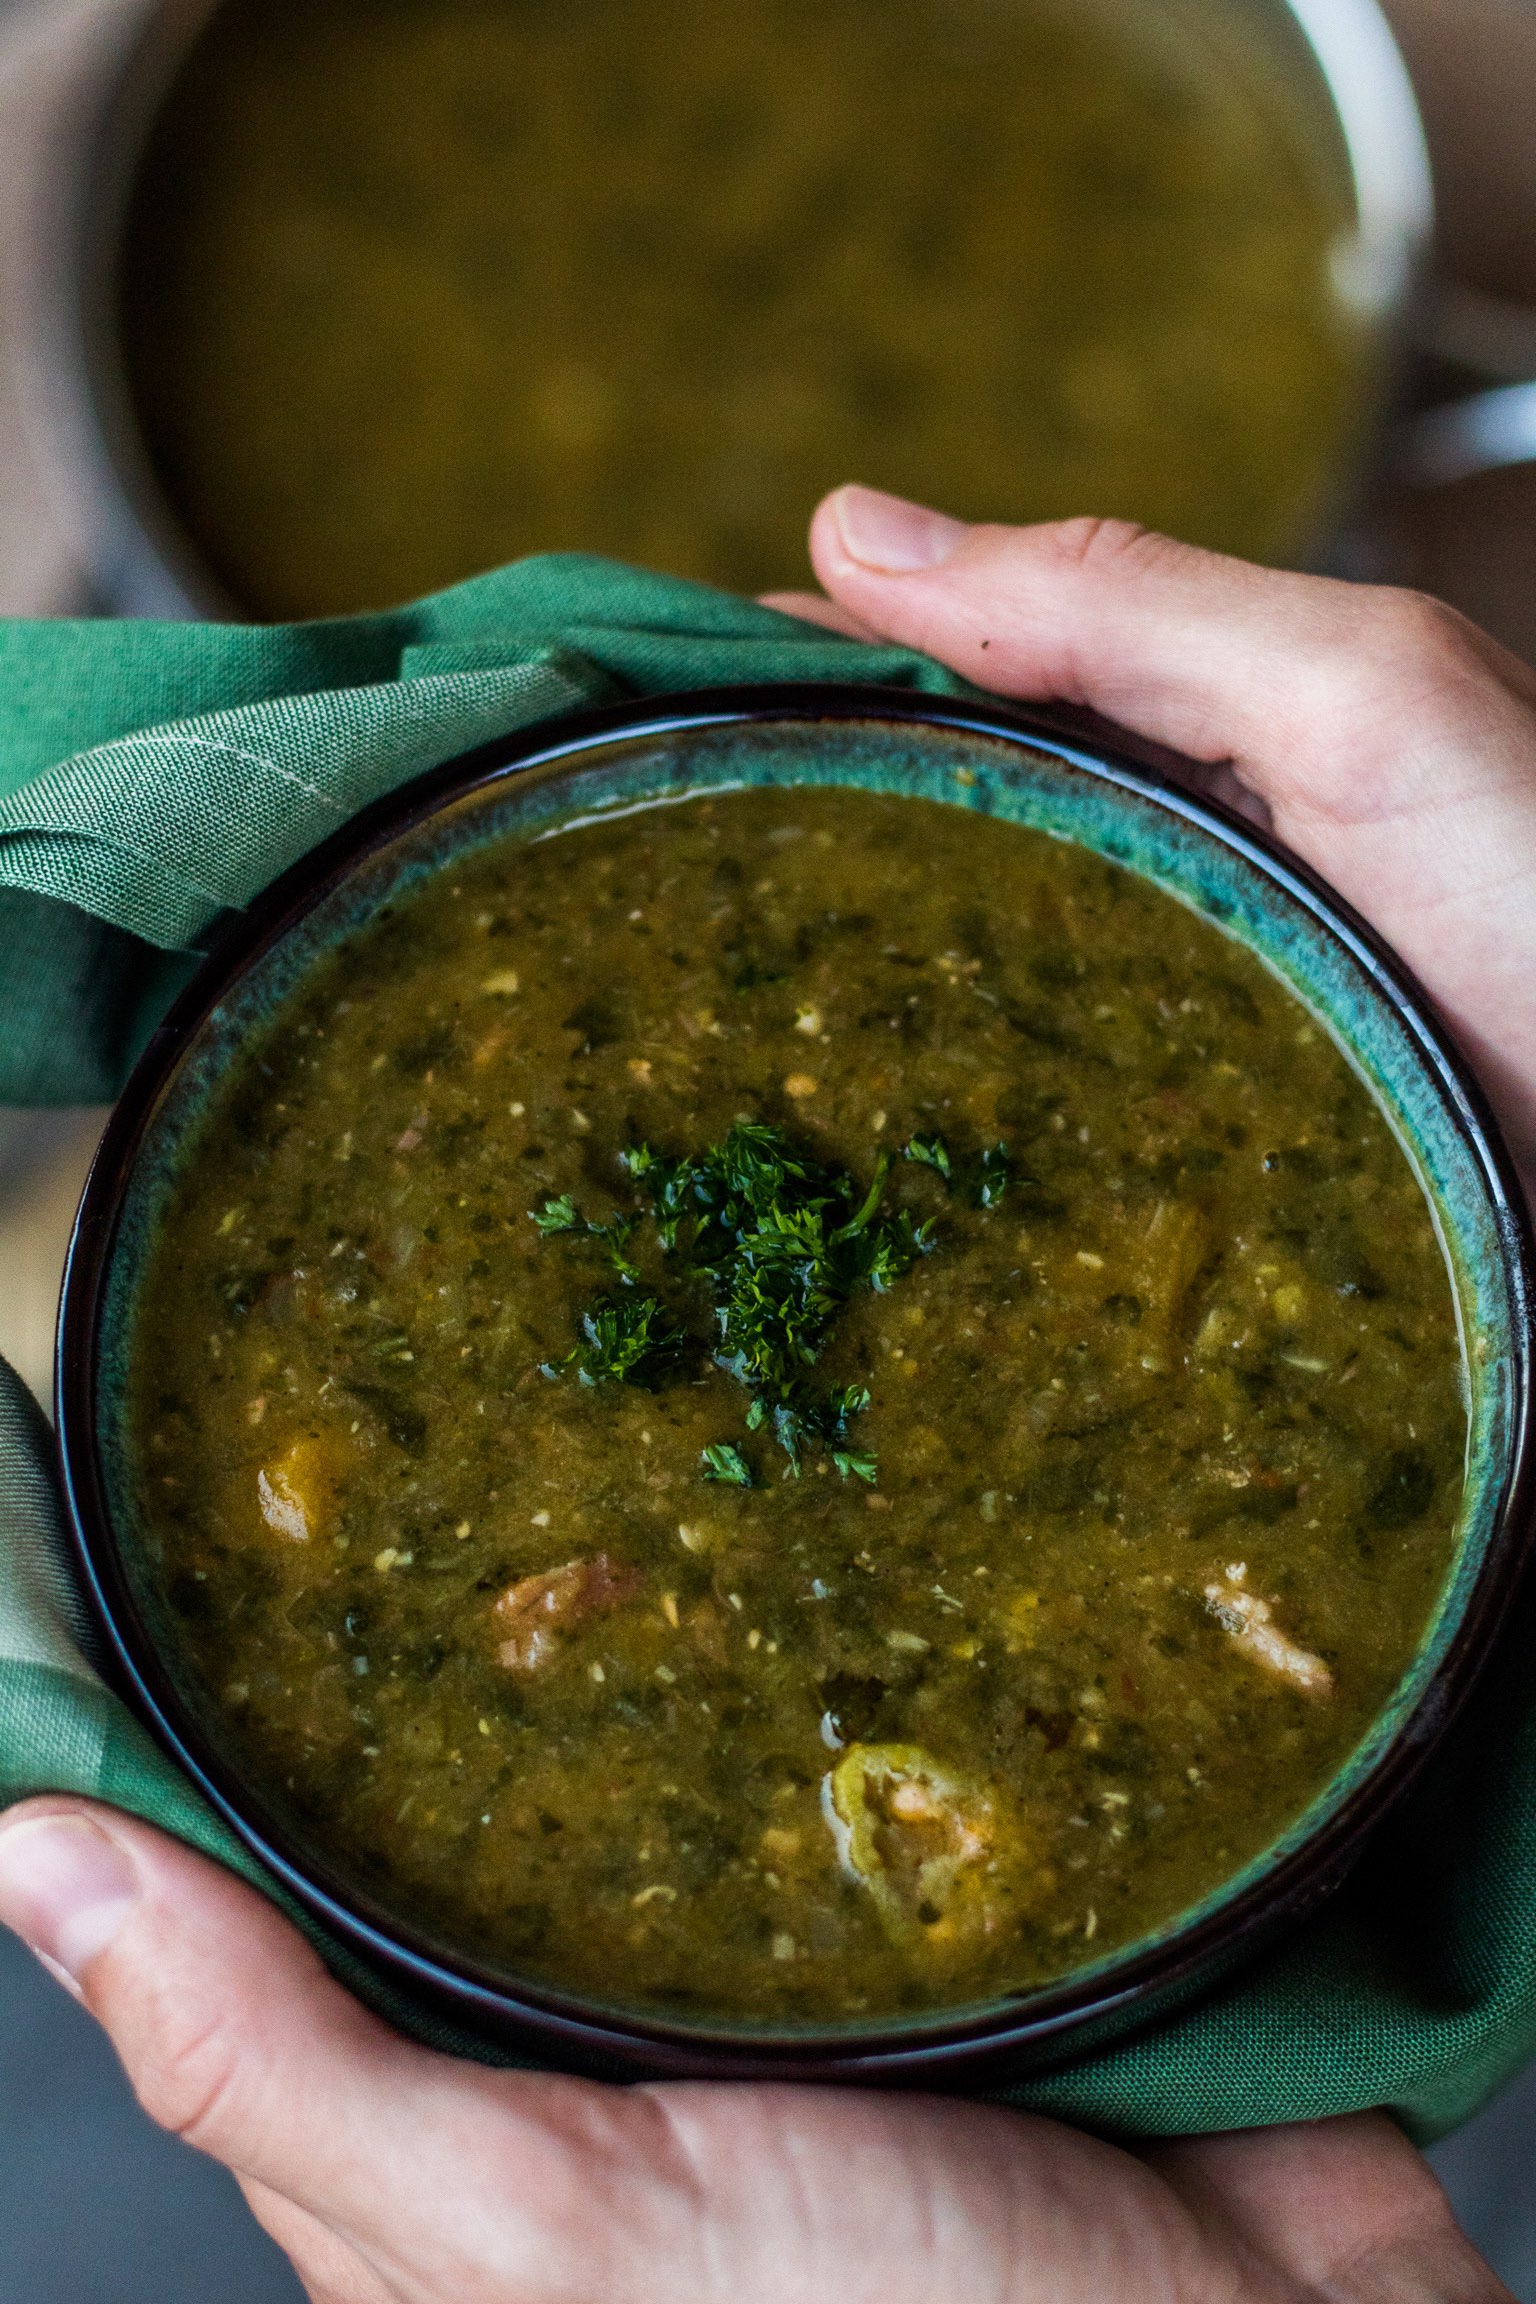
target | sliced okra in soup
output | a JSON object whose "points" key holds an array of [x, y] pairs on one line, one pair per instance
{"points": [[939, 1855], [764, 1430]]}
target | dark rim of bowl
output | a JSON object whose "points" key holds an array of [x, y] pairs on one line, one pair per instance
{"points": [[1032, 2025]]}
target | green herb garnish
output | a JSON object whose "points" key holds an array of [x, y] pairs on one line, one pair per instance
{"points": [[983, 1184], [995, 1171], [929, 1152], [781, 1243], [723, 1462], [625, 1340], [563, 1215]]}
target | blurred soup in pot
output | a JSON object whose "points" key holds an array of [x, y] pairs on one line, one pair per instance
{"points": [[411, 287]]}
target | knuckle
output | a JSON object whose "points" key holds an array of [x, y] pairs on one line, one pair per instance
{"points": [[187, 2083], [1417, 633], [1385, 668], [1096, 543]]}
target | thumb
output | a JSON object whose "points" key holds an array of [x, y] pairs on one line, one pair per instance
{"points": [[439, 2176], [1307, 683], [1394, 743], [228, 2026]]}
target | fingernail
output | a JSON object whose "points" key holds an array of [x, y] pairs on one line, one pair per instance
{"points": [[891, 535], [66, 1889]]}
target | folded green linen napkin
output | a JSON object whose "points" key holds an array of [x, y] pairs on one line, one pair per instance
{"points": [[153, 777]]}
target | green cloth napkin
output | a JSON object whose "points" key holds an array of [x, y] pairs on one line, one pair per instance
{"points": [[153, 777]]}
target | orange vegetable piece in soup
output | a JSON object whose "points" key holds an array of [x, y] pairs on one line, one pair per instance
{"points": [[299, 1493]]}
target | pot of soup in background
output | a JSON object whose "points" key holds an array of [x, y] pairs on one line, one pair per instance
{"points": [[372, 297], [800, 1382]]}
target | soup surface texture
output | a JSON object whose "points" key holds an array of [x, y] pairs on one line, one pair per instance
{"points": [[412, 287], [799, 1405]]}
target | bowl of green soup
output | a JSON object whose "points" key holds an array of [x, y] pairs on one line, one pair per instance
{"points": [[374, 294], [800, 1381]]}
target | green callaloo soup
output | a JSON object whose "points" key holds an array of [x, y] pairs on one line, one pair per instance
{"points": [[410, 287], [792, 1406]]}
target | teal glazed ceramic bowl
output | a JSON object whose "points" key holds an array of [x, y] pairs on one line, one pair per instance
{"points": [[1077, 782]]}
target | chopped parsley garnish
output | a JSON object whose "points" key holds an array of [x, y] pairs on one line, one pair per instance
{"points": [[562, 1215], [723, 1462], [928, 1151], [995, 1169], [983, 1183], [625, 1340], [781, 1243]]}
